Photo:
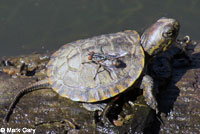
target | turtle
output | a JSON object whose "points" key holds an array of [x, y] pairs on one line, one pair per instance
{"points": [[102, 67]]}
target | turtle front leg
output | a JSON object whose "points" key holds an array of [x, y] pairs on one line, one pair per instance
{"points": [[149, 92]]}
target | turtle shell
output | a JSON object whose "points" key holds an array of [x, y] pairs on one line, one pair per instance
{"points": [[70, 78]]}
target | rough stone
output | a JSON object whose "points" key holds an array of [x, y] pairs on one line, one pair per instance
{"points": [[47, 112]]}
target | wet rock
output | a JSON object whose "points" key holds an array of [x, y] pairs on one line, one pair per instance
{"points": [[47, 112], [24, 65]]}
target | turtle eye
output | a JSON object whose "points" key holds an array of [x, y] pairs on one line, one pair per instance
{"points": [[168, 34]]}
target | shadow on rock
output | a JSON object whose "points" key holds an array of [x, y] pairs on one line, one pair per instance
{"points": [[172, 74]]}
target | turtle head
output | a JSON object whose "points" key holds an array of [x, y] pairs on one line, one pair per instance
{"points": [[160, 36]]}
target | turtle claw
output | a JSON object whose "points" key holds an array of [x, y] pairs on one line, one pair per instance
{"points": [[104, 119], [186, 39], [103, 115], [107, 109]]}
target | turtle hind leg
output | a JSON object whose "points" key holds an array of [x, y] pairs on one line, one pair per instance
{"points": [[36, 86], [149, 92]]}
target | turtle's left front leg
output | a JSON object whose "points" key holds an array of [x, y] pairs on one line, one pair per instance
{"points": [[149, 92]]}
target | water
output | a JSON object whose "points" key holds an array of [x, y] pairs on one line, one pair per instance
{"points": [[28, 26]]}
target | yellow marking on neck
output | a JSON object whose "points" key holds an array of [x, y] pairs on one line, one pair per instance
{"points": [[166, 46], [156, 46], [164, 49]]}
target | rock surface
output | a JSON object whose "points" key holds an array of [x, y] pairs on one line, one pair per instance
{"points": [[47, 112], [183, 99]]}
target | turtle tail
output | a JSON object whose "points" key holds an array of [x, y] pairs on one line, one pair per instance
{"points": [[43, 84]]}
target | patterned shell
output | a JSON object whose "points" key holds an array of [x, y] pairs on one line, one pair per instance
{"points": [[70, 78]]}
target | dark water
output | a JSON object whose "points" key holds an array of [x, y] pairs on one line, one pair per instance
{"points": [[28, 26]]}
